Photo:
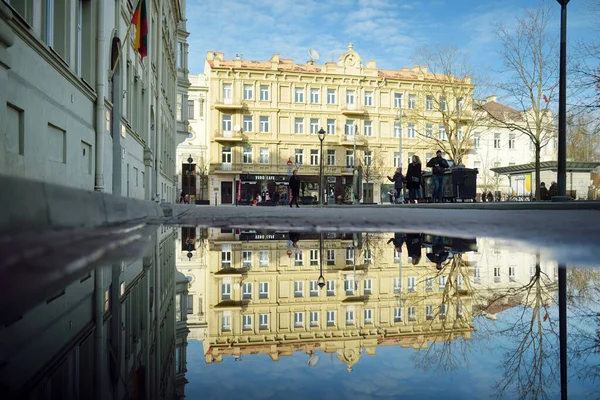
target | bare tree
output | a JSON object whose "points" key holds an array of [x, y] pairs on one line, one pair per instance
{"points": [[373, 170], [529, 55], [202, 170], [583, 139], [448, 109]]}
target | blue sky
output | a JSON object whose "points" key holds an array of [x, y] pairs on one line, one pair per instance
{"points": [[387, 31]]}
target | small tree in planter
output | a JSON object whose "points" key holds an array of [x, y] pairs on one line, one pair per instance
{"points": [[202, 169]]}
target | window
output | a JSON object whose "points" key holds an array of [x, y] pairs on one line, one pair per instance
{"points": [[263, 321], [349, 157], [330, 157], [248, 125], [314, 96], [247, 155], [264, 155], [190, 109], [368, 99], [264, 93], [226, 123], [314, 126], [396, 159], [398, 100], [298, 259], [429, 284], [314, 289], [476, 140], [246, 322], [511, 141], [412, 101], [314, 318], [246, 258], [459, 311], [225, 256], [331, 126], [412, 315], [459, 282], [442, 282], [442, 311], [330, 96], [350, 97], [511, 273], [410, 156], [429, 131], [442, 132], [179, 110], [330, 257], [227, 91], [314, 157], [397, 130], [429, 312], [368, 316], [330, 288], [226, 289], [411, 284], [226, 321], [178, 369], [368, 128], [263, 290], [350, 316], [299, 156], [56, 22], [496, 140], [299, 95], [368, 255], [350, 128], [330, 318], [298, 319], [459, 133], [349, 285], [396, 285], [459, 103], [299, 125], [263, 258], [248, 92], [368, 286], [429, 103], [247, 290], [443, 103], [24, 8], [411, 131], [189, 309], [264, 124], [397, 314], [298, 289], [368, 157]]}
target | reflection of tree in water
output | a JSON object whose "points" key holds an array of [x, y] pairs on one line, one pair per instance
{"points": [[451, 321], [531, 366]]}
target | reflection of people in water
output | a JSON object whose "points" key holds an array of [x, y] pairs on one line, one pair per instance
{"points": [[438, 253], [413, 246], [398, 240], [294, 237]]}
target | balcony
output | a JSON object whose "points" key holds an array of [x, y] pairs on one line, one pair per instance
{"points": [[227, 136], [352, 109], [348, 140], [228, 104], [225, 168]]}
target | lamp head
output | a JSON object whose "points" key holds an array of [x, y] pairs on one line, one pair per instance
{"points": [[321, 281], [321, 134]]}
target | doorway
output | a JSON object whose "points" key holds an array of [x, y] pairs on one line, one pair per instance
{"points": [[226, 192]]}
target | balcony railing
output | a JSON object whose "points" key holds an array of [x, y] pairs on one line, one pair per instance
{"points": [[348, 140], [227, 136], [352, 109], [228, 104], [225, 167]]}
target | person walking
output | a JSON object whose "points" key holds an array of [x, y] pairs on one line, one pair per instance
{"points": [[438, 165], [413, 179], [294, 188], [398, 180]]}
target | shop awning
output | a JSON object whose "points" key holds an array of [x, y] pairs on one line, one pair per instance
{"points": [[572, 166]]}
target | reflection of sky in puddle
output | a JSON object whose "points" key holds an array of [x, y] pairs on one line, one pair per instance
{"points": [[510, 330]]}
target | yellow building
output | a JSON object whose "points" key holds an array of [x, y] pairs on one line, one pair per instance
{"points": [[264, 296], [265, 116]]}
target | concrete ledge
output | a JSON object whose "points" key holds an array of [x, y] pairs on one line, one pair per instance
{"points": [[33, 204], [176, 210]]}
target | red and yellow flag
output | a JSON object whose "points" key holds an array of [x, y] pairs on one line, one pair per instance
{"points": [[140, 43]]}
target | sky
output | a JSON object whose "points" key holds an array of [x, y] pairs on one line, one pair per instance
{"points": [[387, 31]]}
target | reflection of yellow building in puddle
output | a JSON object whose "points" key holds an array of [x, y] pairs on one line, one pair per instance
{"points": [[263, 296]]}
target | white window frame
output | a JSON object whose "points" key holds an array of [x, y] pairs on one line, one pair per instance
{"points": [[226, 289], [429, 103], [263, 258], [397, 314], [226, 321], [263, 320], [263, 290], [314, 288], [246, 322], [246, 259], [331, 318], [248, 92], [368, 316], [247, 290], [411, 283], [298, 288], [298, 259], [299, 156], [248, 123], [247, 155], [298, 95], [350, 96], [264, 155], [442, 132], [225, 258], [412, 101], [314, 157], [299, 125], [331, 156], [264, 124], [368, 99], [298, 319], [331, 96], [410, 132], [368, 128], [226, 123], [398, 100], [368, 286], [314, 96], [227, 92], [331, 126], [264, 93], [330, 287], [314, 318], [314, 126]]}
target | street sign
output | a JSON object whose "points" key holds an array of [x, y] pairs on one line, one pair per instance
{"points": [[289, 163], [289, 170], [298, 165]]}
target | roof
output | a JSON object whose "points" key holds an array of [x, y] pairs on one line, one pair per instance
{"points": [[502, 112], [572, 166]]}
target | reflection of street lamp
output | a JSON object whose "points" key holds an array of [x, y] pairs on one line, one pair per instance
{"points": [[321, 280], [190, 247], [189, 174], [398, 119], [321, 138]]}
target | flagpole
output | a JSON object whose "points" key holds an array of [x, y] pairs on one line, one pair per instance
{"points": [[112, 71]]}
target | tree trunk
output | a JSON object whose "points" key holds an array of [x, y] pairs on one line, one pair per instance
{"points": [[538, 149]]}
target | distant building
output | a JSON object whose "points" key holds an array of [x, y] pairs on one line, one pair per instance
{"points": [[64, 120]]}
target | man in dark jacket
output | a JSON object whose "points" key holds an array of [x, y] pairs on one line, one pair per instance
{"points": [[295, 188], [398, 180], [438, 165]]}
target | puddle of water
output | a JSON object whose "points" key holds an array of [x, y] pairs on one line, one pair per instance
{"points": [[333, 314]]}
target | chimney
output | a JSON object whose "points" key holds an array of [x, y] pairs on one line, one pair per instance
{"points": [[371, 64], [275, 62], [491, 98]]}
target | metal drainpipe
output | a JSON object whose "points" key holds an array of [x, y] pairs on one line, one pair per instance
{"points": [[100, 94], [100, 349]]}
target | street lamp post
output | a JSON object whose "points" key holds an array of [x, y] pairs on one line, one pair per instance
{"points": [[398, 119], [562, 107], [321, 280], [321, 138], [190, 160]]}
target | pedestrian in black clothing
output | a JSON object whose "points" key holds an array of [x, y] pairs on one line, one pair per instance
{"points": [[294, 188], [398, 180], [398, 241], [438, 165], [413, 247], [438, 252], [276, 198], [413, 179]]}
